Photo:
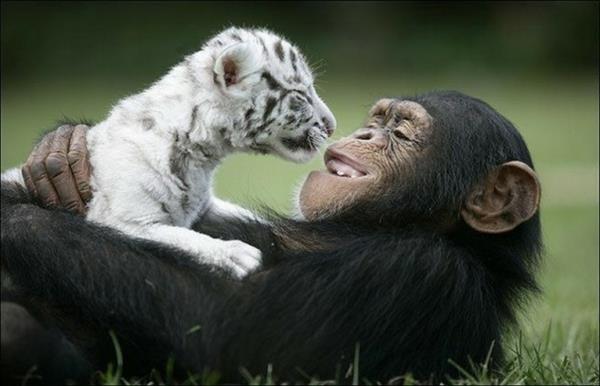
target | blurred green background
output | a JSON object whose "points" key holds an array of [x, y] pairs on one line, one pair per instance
{"points": [[536, 63]]}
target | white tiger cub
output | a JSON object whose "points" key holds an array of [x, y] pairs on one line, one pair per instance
{"points": [[153, 157]]}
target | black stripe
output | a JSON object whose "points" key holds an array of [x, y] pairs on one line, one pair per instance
{"points": [[279, 50], [203, 149], [271, 82], [163, 207], [301, 142], [295, 103], [264, 46], [178, 162], [305, 95], [301, 93], [261, 148], [271, 102], [267, 123], [248, 114], [216, 78], [284, 94], [194, 117], [185, 202], [293, 59]]}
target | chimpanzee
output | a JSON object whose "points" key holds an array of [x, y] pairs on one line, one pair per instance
{"points": [[415, 246]]}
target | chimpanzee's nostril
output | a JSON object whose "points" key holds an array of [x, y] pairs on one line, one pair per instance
{"points": [[364, 135]]}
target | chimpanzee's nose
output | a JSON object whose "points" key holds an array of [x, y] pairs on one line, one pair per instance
{"points": [[375, 136]]}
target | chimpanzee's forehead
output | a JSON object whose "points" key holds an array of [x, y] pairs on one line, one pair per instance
{"points": [[392, 108]]}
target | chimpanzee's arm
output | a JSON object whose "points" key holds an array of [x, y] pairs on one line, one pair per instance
{"points": [[89, 279]]}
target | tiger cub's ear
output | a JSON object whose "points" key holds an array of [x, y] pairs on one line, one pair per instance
{"points": [[238, 67]]}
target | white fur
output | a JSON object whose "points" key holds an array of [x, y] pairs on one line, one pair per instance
{"points": [[136, 188], [13, 175]]}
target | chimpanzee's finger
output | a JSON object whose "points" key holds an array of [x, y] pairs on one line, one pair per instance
{"points": [[78, 157], [37, 156], [56, 142], [26, 173], [35, 174], [59, 171], [57, 167], [43, 187], [62, 138]]}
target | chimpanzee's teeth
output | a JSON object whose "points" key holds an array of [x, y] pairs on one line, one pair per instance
{"points": [[342, 169], [342, 174]]}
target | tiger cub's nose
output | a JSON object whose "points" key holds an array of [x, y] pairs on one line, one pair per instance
{"points": [[328, 126]]}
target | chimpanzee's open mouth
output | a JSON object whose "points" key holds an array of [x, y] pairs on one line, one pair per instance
{"points": [[342, 165]]}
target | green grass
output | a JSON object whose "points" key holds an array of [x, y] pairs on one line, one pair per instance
{"points": [[533, 360], [557, 341]]}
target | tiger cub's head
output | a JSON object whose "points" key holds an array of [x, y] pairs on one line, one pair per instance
{"points": [[267, 92]]}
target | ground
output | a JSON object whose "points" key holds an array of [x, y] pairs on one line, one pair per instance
{"points": [[557, 341]]}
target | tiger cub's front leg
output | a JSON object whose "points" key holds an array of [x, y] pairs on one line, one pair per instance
{"points": [[237, 256], [220, 209]]}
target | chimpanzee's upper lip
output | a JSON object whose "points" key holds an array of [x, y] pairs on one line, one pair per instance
{"points": [[343, 165]]}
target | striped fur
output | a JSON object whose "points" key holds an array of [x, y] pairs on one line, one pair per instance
{"points": [[276, 105], [153, 157]]}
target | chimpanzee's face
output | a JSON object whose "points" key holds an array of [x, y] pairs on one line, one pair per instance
{"points": [[369, 162]]}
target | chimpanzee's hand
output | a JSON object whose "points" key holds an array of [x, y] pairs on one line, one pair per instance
{"points": [[57, 173]]}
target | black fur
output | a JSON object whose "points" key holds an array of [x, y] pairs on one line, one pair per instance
{"points": [[279, 50], [248, 114], [262, 43], [270, 105], [271, 81], [293, 58], [295, 103], [379, 274], [300, 142], [194, 117], [236, 37]]}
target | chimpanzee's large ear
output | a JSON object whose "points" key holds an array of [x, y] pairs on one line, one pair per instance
{"points": [[506, 198], [235, 64]]}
